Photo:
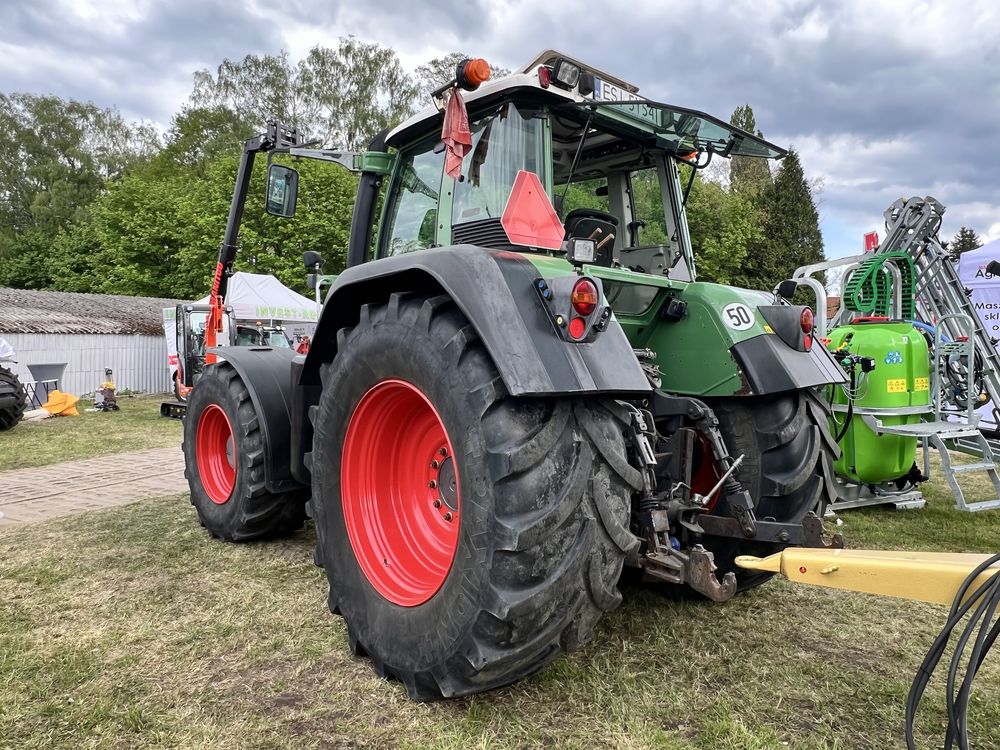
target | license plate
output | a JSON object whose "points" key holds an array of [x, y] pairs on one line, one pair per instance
{"points": [[609, 92]]}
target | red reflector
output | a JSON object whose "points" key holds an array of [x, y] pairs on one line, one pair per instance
{"points": [[577, 328], [807, 320], [808, 341], [802, 569], [584, 297], [544, 77], [528, 218]]}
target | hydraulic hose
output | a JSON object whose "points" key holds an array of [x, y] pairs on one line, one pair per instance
{"points": [[983, 603]]}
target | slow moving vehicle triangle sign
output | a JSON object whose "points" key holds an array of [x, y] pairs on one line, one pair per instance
{"points": [[529, 218]]}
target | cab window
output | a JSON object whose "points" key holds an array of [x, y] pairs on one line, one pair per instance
{"points": [[412, 212], [503, 143]]}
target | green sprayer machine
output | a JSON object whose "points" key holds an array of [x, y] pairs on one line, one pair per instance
{"points": [[920, 363]]}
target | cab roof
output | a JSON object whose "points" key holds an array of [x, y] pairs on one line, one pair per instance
{"points": [[616, 102]]}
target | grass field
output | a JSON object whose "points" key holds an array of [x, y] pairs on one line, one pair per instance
{"points": [[132, 629], [138, 425]]}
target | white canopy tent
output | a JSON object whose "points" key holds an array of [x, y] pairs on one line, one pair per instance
{"points": [[985, 298], [254, 297]]}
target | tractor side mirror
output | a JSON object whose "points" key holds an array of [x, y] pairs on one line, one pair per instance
{"points": [[786, 289], [282, 190], [993, 268], [312, 260]]}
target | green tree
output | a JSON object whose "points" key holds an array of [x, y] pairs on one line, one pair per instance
{"points": [[196, 135], [748, 174], [157, 233], [725, 228], [341, 96], [55, 159], [791, 235], [965, 240]]}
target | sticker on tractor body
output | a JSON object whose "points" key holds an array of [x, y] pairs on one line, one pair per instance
{"points": [[895, 385], [738, 316], [922, 384]]}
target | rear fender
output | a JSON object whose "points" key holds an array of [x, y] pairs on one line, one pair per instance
{"points": [[495, 290], [725, 345]]}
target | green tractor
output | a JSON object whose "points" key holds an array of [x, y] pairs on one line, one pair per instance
{"points": [[509, 398]]}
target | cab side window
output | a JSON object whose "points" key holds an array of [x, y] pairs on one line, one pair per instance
{"points": [[411, 217]]}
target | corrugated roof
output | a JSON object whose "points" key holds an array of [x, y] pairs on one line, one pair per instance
{"points": [[31, 311]]}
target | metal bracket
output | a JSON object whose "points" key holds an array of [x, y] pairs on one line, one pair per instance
{"points": [[641, 433], [696, 568], [809, 533]]}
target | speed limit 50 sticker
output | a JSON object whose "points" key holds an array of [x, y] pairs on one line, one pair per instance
{"points": [[737, 316]]}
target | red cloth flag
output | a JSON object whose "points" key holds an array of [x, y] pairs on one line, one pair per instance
{"points": [[455, 134]]}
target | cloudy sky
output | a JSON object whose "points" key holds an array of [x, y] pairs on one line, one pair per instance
{"points": [[881, 98]]}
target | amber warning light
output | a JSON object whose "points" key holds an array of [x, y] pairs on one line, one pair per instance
{"points": [[470, 73]]}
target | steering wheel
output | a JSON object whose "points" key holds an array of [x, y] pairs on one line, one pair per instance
{"points": [[578, 214]]}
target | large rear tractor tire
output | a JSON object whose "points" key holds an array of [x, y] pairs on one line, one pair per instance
{"points": [[469, 537], [788, 453], [12, 400], [224, 463]]}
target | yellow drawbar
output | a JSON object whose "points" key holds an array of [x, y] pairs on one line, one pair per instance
{"points": [[923, 576]]}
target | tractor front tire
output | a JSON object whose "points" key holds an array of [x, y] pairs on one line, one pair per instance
{"points": [[788, 453], [224, 463], [12, 400], [469, 537]]}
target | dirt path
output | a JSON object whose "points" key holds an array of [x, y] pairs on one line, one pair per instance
{"points": [[38, 494]]}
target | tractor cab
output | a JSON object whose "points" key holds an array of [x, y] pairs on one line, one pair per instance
{"points": [[609, 168]]}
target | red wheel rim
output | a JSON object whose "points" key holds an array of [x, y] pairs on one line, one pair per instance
{"points": [[400, 493], [216, 452]]}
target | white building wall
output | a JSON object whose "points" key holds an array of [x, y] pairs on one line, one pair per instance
{"points": [[139, 362]]}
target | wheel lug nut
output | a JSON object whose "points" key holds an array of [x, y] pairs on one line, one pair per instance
{"points": [[448, 516], [432, 484], [443, 451], [437, 503], [435, 463]]}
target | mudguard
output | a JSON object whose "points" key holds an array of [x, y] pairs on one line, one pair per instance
{"points": [[267, 375], [494, 289], [769, 365], [728, 342]]}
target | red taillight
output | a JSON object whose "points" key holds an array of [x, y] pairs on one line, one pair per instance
{"points": [[544, 77], [577, 328], [807, 321], [584, 298]]}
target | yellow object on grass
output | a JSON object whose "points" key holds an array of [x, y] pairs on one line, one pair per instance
{"points": [[61, 404], [924, 576]]}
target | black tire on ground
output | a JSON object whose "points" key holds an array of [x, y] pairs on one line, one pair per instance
{"points": [[12, 399], [249, 511], [787, 467], [544, 508]]}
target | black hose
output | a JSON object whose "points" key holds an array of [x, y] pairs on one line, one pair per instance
{"points": [[850, 404], [985, 601]]}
